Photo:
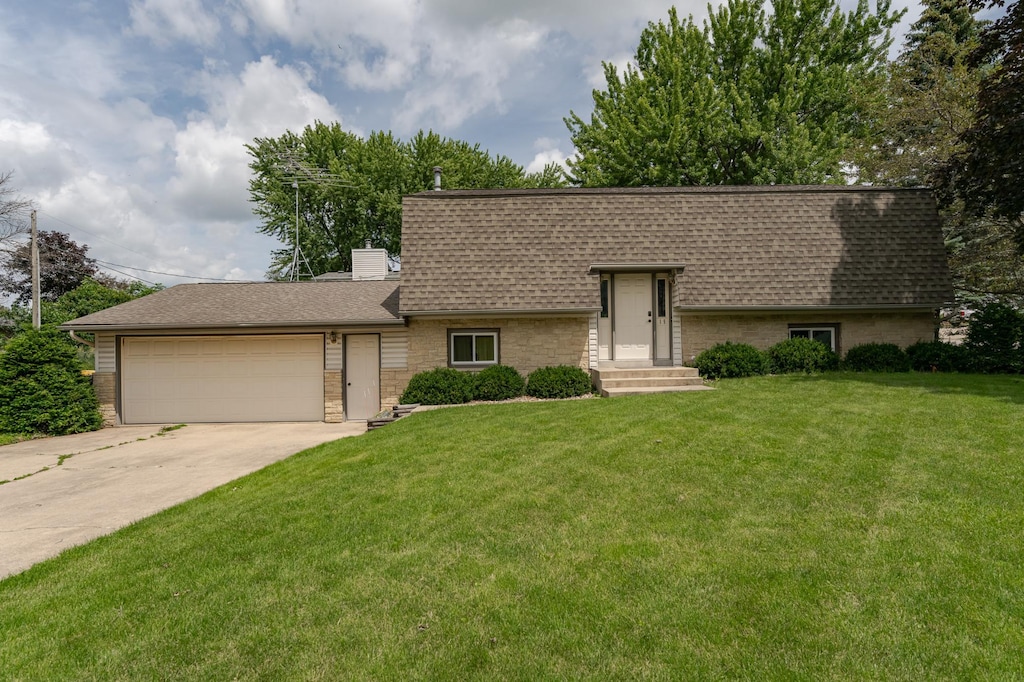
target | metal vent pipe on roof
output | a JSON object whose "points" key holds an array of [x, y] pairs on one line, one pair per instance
{"points": [[437, 178]]}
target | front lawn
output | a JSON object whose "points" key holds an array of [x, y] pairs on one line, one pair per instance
{"points": [[836, 527]]}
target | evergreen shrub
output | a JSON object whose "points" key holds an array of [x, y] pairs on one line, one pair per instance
{"points": [[730, 360], [877, 357], [499, 382], [563, 381], [441, 386], [42, 389], [801, 355]]}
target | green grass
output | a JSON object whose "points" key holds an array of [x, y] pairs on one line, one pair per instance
{"points": [[9, 438], [838, 527]]}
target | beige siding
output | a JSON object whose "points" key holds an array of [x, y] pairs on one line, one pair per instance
{"points": [[592, 341], [700, 332], [106, 353], [394, 350], [677, 334], [332, 353]]}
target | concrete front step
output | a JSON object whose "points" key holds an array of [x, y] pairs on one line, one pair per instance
{"points": [[652, 382], [639, 380], [637, 373], [641, 390]]}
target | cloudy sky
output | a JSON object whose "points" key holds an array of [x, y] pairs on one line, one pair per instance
{"points": [[125, 120]]}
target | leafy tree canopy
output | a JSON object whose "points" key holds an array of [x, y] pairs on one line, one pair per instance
{"points": [[63, 265], [350, 188], [752, 97]]}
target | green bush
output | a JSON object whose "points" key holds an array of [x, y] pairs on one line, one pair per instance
{"points": [[801, 355], [563, 381], [441, 386], [943, 357], [42, 389], [499, 382], [994, 339], [877, 357], [729, 360]]}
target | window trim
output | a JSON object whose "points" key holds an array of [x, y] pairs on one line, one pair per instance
{"points": [[474, 333], [832, 327]]}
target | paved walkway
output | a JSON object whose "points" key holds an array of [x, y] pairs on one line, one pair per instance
{"points": [[72, 489]]}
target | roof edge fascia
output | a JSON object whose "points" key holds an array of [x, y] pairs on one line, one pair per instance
{"points": [[241, 325], [882, 308], [504, 312]]}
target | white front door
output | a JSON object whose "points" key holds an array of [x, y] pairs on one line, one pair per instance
{"points": [[633, 321], [362, 376]]}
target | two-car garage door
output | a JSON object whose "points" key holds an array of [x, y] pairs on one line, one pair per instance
{"points": [[222, 379]]}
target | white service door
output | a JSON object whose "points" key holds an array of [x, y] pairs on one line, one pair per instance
{"points": [[633, 322], [362, 376], [222, 379]]}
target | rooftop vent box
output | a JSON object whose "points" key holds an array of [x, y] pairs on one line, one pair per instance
{"points": [[369, 264]]}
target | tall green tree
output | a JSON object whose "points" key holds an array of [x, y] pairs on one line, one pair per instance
{"points": [[750, 97], [927, 101], [988, 172], [348, 189]]}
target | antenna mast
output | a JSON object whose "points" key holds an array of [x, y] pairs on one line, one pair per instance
{"points": [[297, 171]]}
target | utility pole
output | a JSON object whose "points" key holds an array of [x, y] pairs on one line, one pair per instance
{"points": [[36, 316]]}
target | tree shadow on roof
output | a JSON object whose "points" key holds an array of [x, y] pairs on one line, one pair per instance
{"points": [[892, 250]]}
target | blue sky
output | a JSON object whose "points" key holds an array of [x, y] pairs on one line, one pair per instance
{"points": [[125, 120]]}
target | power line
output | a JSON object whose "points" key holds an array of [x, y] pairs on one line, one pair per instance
{"points": [[168, 274]]}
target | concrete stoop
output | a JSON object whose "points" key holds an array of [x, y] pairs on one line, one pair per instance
{"points": [[613, 381]]}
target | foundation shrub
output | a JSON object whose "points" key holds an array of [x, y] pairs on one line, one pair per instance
{"points": [[929, 356], [499, 382], [801, 355], [877, 357], [563, 381], [441, 386], [731, 360]]}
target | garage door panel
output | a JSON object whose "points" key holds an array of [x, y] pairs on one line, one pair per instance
{"points": [[222, 379]]}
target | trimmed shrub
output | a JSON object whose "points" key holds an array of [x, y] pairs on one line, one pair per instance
{"points": [[877, 357], [994, 339], [563, 381], [943, 357], [801, 355], [441, 386], [499, 382], [730, 360], [42, 389]]}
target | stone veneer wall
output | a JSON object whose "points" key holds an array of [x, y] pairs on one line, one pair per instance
{"points": [[104, 384], [334, 411], [700, 332], [523, 343]]}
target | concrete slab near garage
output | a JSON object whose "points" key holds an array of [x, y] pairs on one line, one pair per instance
{"points": [[72, 489]]}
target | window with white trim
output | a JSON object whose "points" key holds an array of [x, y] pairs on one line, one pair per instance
{"points": [[472, 347], [826, 334]]}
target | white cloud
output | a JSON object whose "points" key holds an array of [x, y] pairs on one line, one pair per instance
{"points": [[548, 152], [211, 163], [165, 21]]}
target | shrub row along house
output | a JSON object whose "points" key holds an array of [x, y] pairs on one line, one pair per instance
{"points": [[596, 278]]}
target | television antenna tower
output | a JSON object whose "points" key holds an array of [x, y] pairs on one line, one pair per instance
{"points": [[297, 171]]}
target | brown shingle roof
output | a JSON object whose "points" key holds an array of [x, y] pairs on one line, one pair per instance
{"points": [[252, 304], [480, 250]]}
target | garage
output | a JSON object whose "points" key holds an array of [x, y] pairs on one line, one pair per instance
{"points": [[259, 378]]}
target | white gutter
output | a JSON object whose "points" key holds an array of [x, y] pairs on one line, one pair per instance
{"points": [[79, 339]]}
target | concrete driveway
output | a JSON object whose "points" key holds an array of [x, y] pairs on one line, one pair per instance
{"points": [[76, 488]]}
